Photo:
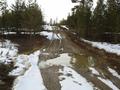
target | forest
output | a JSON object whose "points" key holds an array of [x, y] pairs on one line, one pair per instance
{"points": [[39, 51], [21, 16], [101, 23]]}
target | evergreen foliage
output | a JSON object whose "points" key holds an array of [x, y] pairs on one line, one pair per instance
{"points": [[95, 23], [21, 17]]}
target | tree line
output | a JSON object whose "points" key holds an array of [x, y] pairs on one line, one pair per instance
{"points": [[95, 23], [21, 16]]}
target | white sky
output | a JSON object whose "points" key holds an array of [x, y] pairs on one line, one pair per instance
{"points": [[55, 9]]}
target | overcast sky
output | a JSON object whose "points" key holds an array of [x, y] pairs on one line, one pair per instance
{"points": [[55, 9]]}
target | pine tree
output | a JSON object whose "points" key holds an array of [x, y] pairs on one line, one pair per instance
{"points": [[111, 15]]}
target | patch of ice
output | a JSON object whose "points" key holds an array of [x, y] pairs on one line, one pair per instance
{"points": [[94, 71], [108, 83], [71, 80], [114, 73]]}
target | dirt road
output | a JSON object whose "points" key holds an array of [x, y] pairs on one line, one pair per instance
{"points": [[64, 65], [103, 74]]}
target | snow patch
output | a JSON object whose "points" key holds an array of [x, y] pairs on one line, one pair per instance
{"points": [[114, 73], [71, 80], [63, 60], [94, 71], [65, 27], [111, 48], [108, 83], [8, 51], [51, 35], [21, 64], [47, 27], [31, 79]]}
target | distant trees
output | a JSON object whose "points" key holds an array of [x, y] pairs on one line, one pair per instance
{"points": [[80, 19], [99, 19], [21, 16], [93, 23]]}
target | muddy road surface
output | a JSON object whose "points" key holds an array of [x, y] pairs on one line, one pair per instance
{"points": [[63, 52], [64, 65]]}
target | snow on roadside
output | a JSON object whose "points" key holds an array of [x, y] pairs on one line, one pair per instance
{"points": [[22, 64], [31, 79], [71, 80], [114, 73], [51, 35], [8, 51], [108, 83], [111, 48]]}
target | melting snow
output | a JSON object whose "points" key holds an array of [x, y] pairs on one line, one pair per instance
{"points": [[71, 80], [109, 83], [8, 51], [47, 27], [22, 64], [51, 35], [114, 73], [112, 48], [63, 26], [32, 79], [63, 60], [94, 71]]}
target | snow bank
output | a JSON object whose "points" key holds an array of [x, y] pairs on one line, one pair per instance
{"points": [[71, 80], [32, 79], [111, 48], [51, 35]]}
